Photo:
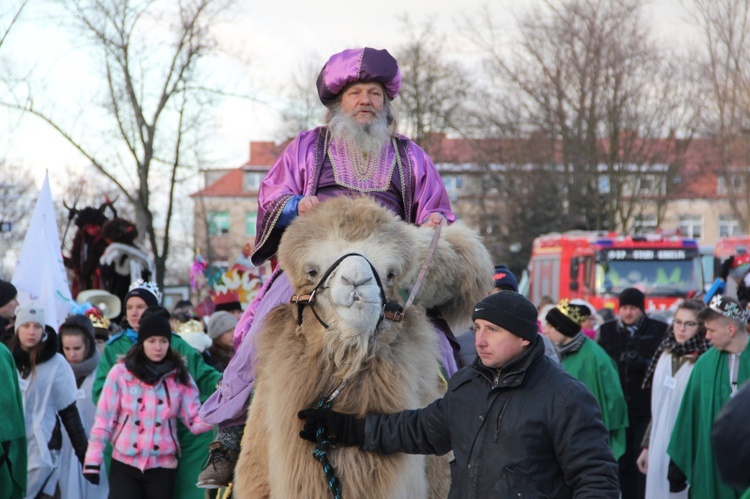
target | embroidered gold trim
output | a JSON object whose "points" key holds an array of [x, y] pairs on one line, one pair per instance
{"points": [[339, 174]]}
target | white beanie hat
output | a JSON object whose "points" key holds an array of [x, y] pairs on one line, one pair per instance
{"points": [[29, 313]]}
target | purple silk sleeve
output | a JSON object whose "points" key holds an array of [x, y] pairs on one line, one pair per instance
{"points": [[430, 195], [289, 176]]}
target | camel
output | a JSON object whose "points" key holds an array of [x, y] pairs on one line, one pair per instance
{"points": [[306, 352]]}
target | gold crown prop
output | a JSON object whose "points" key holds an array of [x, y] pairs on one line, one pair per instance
{"points": [[572, 312], [191, 326]]}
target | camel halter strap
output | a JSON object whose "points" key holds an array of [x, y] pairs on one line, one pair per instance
{"points": [[309, 299], [398, 315], [323, 445]]}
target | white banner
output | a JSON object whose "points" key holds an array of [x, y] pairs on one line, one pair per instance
{"points": [[40, 275]]}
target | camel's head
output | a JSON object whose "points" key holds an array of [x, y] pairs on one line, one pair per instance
{"points": [[350, 292], [358, 257]]}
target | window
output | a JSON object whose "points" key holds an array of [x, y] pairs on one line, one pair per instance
{"points": [[250, 220], [691, 226], [453, 185], [728, 226], [218, 223], [650, 185], [603, 184], [644, 224], [645, 183], [723, 182], [251, 181]]}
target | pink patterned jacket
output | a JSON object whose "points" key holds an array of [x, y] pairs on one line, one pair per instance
{"points": [[140, 420]]}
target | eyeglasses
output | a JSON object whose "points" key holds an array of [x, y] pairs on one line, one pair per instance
{"points": [[687, 324]]}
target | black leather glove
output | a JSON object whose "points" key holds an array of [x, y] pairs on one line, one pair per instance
{"points": [[91, 473], [725, 267], [342, 429], [677, 479]]}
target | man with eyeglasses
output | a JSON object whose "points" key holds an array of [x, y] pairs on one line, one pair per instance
{"points": [[717, 376], [631, 340]]}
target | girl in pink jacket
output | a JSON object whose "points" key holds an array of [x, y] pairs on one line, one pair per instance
{"points": [[137, 413]]}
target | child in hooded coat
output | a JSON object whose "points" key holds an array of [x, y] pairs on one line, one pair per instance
{"points": [[78, 345]]}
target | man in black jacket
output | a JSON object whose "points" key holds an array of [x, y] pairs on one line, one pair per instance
{"points": [[518, 425], [631, 341]]}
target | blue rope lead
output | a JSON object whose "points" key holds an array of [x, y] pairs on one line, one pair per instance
{"points": [[320, 452]]}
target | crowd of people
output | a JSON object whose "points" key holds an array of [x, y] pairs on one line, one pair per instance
{"points": [[128, 405], [543, 400]]}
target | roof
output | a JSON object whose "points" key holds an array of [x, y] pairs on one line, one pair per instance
{"points": [[262, 156], [229, 185]]}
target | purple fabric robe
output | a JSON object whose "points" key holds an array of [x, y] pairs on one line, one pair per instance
{"points": [[298, 172]]}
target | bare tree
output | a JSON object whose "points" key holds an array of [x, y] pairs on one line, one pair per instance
{"points": [[79, 189], [303, 109], [17, 198], [589, 77], [725, 72], [13, 15], [435, 93], [152, 56]]}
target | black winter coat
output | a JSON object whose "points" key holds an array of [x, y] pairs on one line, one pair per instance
{"points": [[528, 430], [633, 356]]}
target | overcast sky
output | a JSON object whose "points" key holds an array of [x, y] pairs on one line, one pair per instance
{"points": [[278, 43]]}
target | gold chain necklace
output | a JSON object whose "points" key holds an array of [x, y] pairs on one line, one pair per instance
{"points": [[363, 165]]}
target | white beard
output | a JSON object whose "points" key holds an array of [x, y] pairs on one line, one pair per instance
{"points": [[370, 139]]}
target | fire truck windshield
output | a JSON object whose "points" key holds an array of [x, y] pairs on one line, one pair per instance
{"points": [[653, 277]]}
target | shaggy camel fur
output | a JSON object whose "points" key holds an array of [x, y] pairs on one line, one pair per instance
{"points": [[389, 366]]}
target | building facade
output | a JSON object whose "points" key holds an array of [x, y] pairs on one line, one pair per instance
{"points": [[686, 192]]}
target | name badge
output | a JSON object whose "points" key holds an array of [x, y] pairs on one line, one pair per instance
{"points": [[670, 382]]}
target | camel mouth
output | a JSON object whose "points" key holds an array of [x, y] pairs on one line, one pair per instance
{"points": [[356, 298]]}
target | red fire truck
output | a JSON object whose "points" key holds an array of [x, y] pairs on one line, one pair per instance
{"points": [[597, 266]]}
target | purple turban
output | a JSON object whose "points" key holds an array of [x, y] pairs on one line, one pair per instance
{"points": [[358, 65]]}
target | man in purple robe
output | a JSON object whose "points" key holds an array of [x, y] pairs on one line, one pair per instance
{"points": [[357, 153]]}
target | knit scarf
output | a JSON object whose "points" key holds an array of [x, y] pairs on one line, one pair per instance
{"points": [[631, 328], [149, 372], [575, 345], [697, 345], [85, 367]]}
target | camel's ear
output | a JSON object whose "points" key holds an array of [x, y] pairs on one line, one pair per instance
{"points": [[459, 274]]}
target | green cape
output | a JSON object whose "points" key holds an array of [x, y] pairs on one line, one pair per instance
{"points": [[596, 369], [690, 446], [12, 430]]}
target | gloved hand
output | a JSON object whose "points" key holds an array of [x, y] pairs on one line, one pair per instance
{"points": [[677, 479], [726, 266], [343, 429], [91, 473]]}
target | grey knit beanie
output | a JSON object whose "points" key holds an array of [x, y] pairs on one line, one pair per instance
{"points": [[221, 322]]}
